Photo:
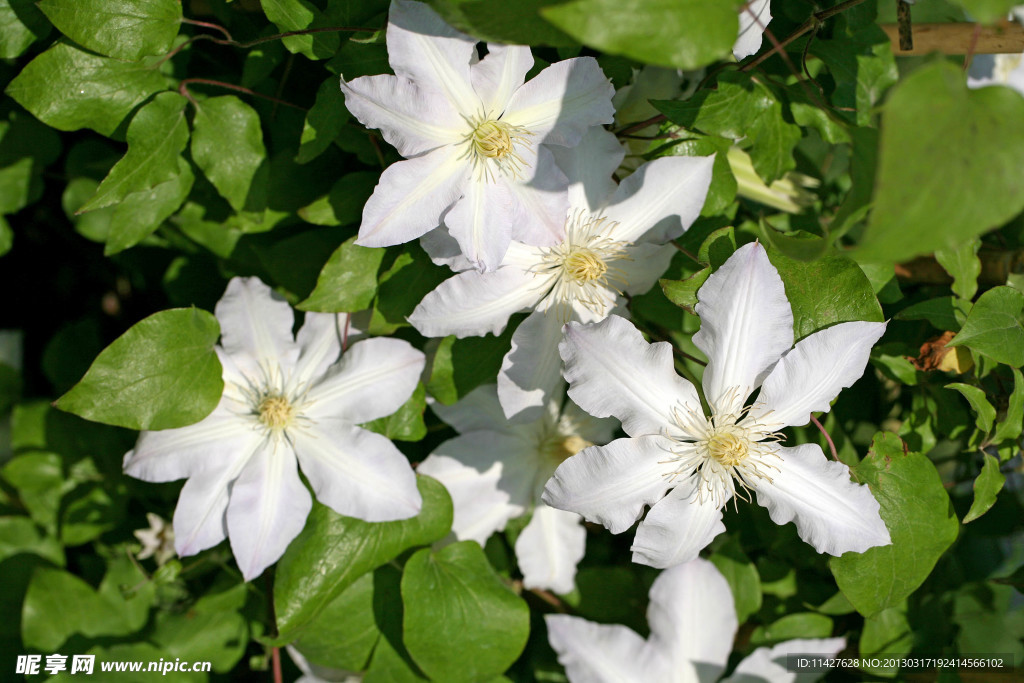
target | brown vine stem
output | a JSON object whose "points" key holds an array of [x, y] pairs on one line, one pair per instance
{"points": [[275, 657], [831, 446], [183, 89], [229, 40], [816, 19]]}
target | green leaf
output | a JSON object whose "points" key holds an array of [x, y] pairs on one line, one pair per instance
{"points": [[916, 509], [59, 604], [123, 29], [142, 212], [1010, 428], [993, 326], [684, 34], [21, 24], [6, 236], [941, 312], [717, 247], [227, 144], [886, 636], [938, 135], [462, 623], [461, 365], [863, 68], [156, 136], [745, 111], [343, 635], [984, 413], [333, 551], [406, 423], [211, 629], [298, 15], [88, 512], [683, 293], [986, 487], [68, 89], [324, 121], [798, 625], [39, 480], [742, 575], [19, 535], [503, 22], [987, 11], [347, 282], [344, 204], [402, 287], [390, 662], [848, 297], [160, 374], [27, 147], [963, 265]]}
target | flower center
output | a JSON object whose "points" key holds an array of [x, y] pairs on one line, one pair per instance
{"points": [[728, 453], [561, 447], [727, 448], [583, 265], [276, 412], [491, 144]]}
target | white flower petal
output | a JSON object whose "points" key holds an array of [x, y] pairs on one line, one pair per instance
{"points": [[561, 102], [513, 452], [356, 472], [443, 250], [661, 199], [611, 484], [820, 366], [479, 409], [480, 507], [199, 521], [549, 548], [220, 439], [646, 263], [256, 326], [472, 304], [267, 508], [481, 221], [746, 324], [412, 121], [373, 379], [530, 372], [832, 513], [677, 528], [612, 371], [601, 653], [692, 617], [768, 665], [319, 342], [589, 167], [411, 197], [499, 74], [541, 203], [754, 18], [430, 53]]}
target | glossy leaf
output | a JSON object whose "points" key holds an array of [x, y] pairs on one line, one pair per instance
{"points": [[123, 29], [161, 373], [993, 326], [344, 634], [69, 88], [1013, 422], [986, 487], [963, 265], [348, 281], [227, 144], [21, 24], [462, 623], [984, 413], [916, 509], [333, 551]]}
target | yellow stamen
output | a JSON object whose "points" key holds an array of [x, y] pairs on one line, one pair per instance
{"points": [[275, 412], [583, 265]]}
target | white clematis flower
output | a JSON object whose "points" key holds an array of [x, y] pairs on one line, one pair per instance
{"points": [[157, 540], [495, 472], [1005, 70], [613, 246], [287, 402], [754, 18], [703, 462], [693, 625], [472, 134]]}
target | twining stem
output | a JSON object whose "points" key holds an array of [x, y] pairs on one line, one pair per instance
{"points": [[229, 40], [183, 89], [275, 657], [831, 446]]}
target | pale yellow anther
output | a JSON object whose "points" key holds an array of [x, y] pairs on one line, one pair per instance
{"points": [[492, 139], [561, 448], [728, 449], [583, 265], [275, 412]]}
